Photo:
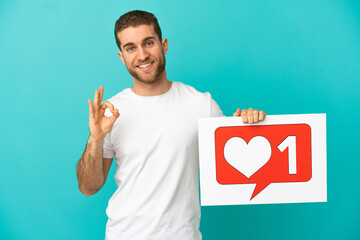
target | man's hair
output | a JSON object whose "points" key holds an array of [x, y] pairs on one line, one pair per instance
{"points": [[136, 18]]}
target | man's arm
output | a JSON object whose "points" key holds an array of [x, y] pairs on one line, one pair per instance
{"points": [[92, 169]]}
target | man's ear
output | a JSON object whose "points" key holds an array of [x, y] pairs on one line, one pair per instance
{"points": [[164, 44], [121, 57]]}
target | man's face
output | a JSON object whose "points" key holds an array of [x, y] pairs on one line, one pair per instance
{"points": [[142, 52]]}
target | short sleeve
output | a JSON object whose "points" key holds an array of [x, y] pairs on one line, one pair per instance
{"points": [[215, 110], [108, 151]]}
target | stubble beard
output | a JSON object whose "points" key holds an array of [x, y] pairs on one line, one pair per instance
{"points": [[159, 69]]}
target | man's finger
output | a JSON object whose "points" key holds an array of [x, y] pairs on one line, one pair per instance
{"points": [[250, 115], [115, 115], [237, 113], [101, 93], [256, 116], [96, 100], [244, 116], [106, 104], [91, 109], [261, 115]]}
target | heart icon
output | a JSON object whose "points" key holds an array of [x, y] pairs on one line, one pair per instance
{"points": [[247, 158]]}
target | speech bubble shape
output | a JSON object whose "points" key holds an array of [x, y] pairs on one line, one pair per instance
{"points": [[290, 159]]}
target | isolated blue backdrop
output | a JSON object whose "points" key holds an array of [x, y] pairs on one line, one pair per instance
{"points": [[284, 57]]}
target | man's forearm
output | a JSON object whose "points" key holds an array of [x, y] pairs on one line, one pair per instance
{"points": [[90, 168]]}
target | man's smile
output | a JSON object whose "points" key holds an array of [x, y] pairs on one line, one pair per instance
{"points": [[145, 67]]}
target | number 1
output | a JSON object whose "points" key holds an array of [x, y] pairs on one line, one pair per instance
{"points": [[290, 143]]}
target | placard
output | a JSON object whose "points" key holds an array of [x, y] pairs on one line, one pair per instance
{"points": [[279, 160]]}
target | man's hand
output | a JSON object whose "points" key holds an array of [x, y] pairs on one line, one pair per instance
{"points": [[99, 124], [250, 116]]}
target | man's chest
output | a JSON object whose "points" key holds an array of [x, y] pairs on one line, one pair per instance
{"points": [[154, 129]]}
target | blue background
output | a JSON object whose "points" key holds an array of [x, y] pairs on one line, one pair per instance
{"points": [[284, 57]]}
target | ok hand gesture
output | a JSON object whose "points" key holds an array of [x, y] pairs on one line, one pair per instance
{"points": [[99, 124]]}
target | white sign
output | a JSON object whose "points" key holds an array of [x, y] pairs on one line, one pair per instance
{"points": [[279, 160]]}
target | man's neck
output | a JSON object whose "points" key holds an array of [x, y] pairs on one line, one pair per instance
{"points": [[160, 86]]}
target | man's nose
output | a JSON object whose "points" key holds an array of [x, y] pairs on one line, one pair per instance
{"points": [[143, 54]]}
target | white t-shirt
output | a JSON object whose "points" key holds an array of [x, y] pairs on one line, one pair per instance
{"points": [[155, 145]]}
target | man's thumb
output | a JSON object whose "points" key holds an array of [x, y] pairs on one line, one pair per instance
{"points": [[115, 115]]}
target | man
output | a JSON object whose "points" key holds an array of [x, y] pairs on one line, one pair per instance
{"points": [[154, 141]]}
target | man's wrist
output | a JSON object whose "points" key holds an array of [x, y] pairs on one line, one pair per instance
{"points": [[95, 141]]}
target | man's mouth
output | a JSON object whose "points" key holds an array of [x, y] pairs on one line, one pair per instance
{"points": [[146, 66]]}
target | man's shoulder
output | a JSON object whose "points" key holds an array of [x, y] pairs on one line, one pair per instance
{"points": [[185, 88]]}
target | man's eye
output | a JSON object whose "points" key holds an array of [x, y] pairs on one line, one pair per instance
{"points": [[149, 43], [130, 49]]}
